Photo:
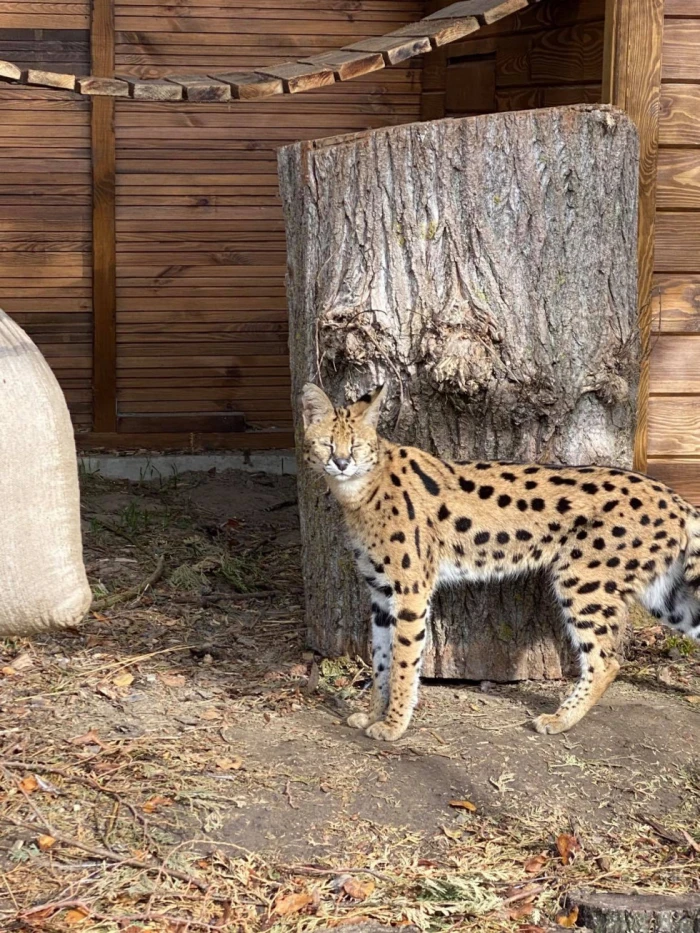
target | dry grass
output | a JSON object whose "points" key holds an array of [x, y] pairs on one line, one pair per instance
{"points": [[127, 748]]}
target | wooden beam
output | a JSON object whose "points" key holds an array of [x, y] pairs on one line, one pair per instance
{"points": [[632, 81], [109, 87], [347, 65], [440, 32], [298, 77], [104, 359], [395, 49], [246, 85]]}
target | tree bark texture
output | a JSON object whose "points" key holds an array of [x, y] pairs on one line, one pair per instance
{"points": [[638, 913], [485, 267]]}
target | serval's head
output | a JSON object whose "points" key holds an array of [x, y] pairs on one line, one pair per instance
{"points": [[341, 442]]}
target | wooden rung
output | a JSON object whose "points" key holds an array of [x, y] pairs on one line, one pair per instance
{"points": [[104, 87], [298, 77], [487, 11], [50, 79], [347, 65], [442, 31], [200, 87], [394, 48], [10, 72], [154, 90], [251, 86]]}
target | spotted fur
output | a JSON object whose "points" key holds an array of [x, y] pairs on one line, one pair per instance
{"points": [[606, 536]]}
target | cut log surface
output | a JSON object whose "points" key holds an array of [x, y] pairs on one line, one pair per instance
{"points": [[638, 913], [486, 268]]}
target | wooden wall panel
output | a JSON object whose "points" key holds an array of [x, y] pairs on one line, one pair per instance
{"points": [[545, 56], [45, 195], [674, 426], [201, 308]]}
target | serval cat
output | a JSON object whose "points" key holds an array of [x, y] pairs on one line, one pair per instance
{"points": [[606, 536]]}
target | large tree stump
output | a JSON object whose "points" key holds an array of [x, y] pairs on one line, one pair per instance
{"points": [[486, 267], [638, 913]]}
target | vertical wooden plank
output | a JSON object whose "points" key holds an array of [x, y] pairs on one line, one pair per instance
{"points": [[634, 35], [104, 358]]}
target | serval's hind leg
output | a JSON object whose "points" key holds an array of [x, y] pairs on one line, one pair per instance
{"points": [[592, 623]]}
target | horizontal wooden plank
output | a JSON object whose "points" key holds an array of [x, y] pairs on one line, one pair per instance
{"points": [[183, 272], [679, 114], [224, 393], [682, 8], [194, 319], [194, 348], [412, 9], [674, 426], [679, 58], [676, 304], [247, 25], [247, 440], [675, 365], [683, 476], [225, 364], [53, 20], [170, 422], [677, 242], [252, 407], [678, 179]]}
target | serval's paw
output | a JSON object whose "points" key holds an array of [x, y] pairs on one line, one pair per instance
{"points": [[385, 732], [358, 721], [551, 723]]}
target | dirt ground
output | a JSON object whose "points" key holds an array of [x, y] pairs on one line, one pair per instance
{"points": [[180, 762]]}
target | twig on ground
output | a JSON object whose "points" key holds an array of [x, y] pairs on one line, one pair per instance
{"points": [[309, 870], [105, 854], [108, 601]]}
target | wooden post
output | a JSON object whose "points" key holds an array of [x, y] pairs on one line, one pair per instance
{"points": [[632, 81], [104, 358], [486, 268]]}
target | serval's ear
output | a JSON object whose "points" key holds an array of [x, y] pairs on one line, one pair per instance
{"points": [[369, 407], [315, 405]]}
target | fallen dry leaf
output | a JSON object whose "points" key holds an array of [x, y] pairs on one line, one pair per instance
{"points": [[100, 617], [531, 928], [8, 671], [29, 784], [463, 805], [228, 764], [45, 842], [522, 910], [22, 663], [292, 903], [89, 738], [358, 890], [568, 847], [693, 699], [211, 714], [567, 918], [535, 864], [155, 803], [125, 679], [75, 916], [173, 680], [94, 640]]}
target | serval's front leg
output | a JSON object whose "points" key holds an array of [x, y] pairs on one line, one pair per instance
{"points": [[408, 644], [383, 623]]}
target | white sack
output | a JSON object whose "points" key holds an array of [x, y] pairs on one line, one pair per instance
{"points": [[42, 577]]}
